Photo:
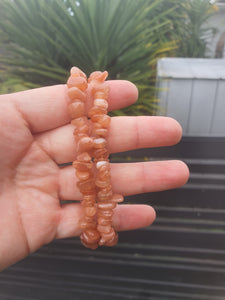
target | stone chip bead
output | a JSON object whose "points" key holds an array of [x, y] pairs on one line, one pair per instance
{"points": [[107, 236], [77, 85], [75, 93], [101, 154], [101, 95], [74, 71], [100, 132], [102, 183], [82, 166], [106, 206], [83, 175], [84, 157], [105, 213], [98, 76], [90, 236], [96, 110], [113, 241], [101, 103], [90, 211], [85, 144], [87, 186], [117, 198], [102, 120], [79, 121], [81, 129], [100, 87], [76, 109], [94, 185], [104, 221], [79, 82], [99, 143], [104, 228]]}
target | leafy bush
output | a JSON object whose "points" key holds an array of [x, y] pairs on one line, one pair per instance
{"points": [[46, 37], [195, 32]]}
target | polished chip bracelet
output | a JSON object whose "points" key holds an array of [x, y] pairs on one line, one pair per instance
{"points": [[92, 161]]}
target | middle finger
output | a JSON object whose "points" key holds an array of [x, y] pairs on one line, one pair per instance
{"points": [[125, 133], [131, 178]]}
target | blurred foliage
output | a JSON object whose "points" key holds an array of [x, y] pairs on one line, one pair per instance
{"points": [[195, 31], [43, 39]]}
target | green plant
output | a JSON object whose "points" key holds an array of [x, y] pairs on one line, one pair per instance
{"points": [[44, 38], [47, 37], [195, 32]]}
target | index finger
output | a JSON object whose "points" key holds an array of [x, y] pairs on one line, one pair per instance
{"points": [[47, 108]]}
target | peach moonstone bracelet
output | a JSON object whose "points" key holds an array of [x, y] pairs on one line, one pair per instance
{"points": [[92, 161]]}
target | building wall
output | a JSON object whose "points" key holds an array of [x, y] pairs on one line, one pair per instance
{"points": [[192, 91]]}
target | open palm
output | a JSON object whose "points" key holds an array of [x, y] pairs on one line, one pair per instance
{"points": [[36, 137]]}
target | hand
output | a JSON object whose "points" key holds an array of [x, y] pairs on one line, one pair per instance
{"points": [[35, 136]]}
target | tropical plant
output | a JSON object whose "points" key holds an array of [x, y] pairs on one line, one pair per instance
{"points": [[126, 37], [47, 37], [195, 32]]}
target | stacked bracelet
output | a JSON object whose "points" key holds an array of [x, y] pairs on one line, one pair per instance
{"points": [[92, 161]]}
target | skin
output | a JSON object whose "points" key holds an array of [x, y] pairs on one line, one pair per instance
{"points": [[35, 136]]}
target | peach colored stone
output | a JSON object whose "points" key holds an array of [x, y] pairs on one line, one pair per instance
{"points": [[102, 183], [92, 246], [89, 203], [103, 166], [101, 95], [84, 157], [98, 76], [106, 206], [83, 175], [101, 103], [85, 144], [101, 154], [89, 219], [100, 132], [104, 221], [87, 225], [82, 166], [100, 87], [75, 93], [107, 237], [117, 198], [90, 197], [81, 129], [90, 211], [107, 189], [87, 186], [104, 175], [104, 229], [105, 213], [104, 196], [113, 241], [76, 109], [99, 143], [78, 82], [95, 110], [103, 120], [74, 71], [81, 121], [91, 236]]}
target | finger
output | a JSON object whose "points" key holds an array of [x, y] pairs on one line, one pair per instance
{"points": [[47, 108], [125, 133], [131, 178], [126, 217]]}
